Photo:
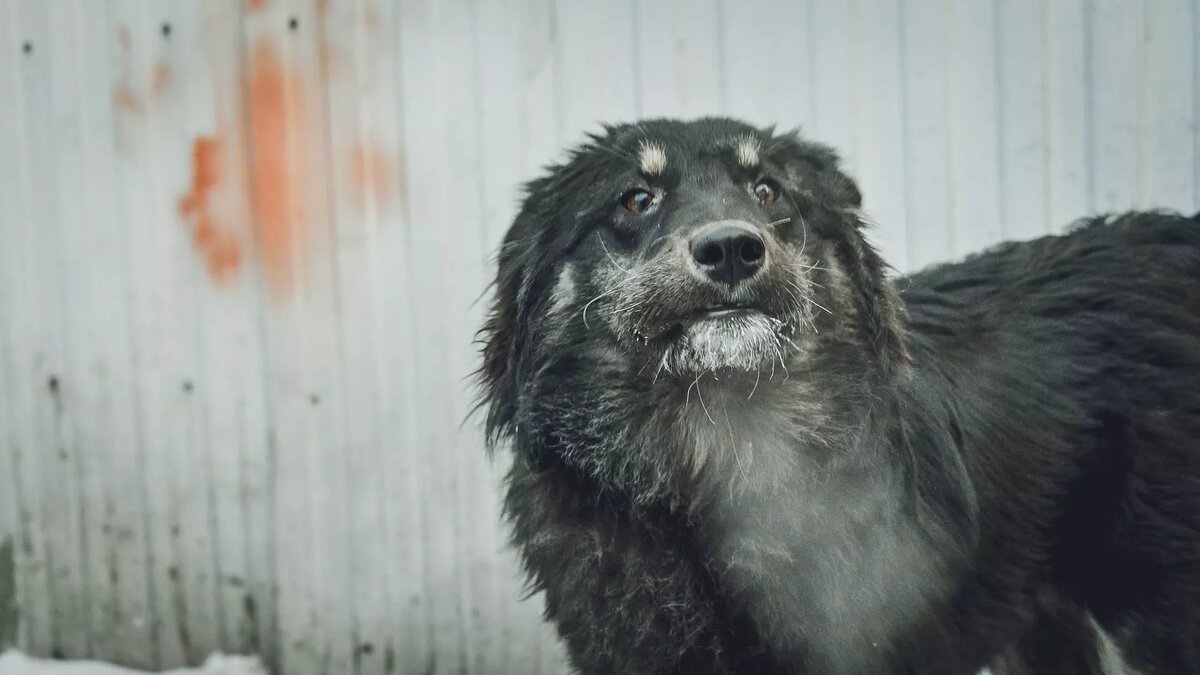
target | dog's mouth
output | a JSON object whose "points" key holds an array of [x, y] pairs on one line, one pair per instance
{"points": [[694, 328], [723, 311], [719, 337], [708, 315]]}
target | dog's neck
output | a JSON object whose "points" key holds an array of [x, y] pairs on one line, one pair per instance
{"points": [[809, 500], [808, 495], [809, 515]]}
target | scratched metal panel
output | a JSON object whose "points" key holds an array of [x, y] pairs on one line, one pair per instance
{"points": [[45, 461], [11, 531], [241, 245]]}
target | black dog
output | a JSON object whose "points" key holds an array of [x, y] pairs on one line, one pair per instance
{"points": [[740, 447]]}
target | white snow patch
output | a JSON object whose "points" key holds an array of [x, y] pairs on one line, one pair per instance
{"points": [[15, 663]]}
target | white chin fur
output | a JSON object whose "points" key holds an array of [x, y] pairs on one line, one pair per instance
{"points": [[744, 342]]}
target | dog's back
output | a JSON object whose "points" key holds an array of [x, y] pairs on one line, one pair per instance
{"points": [[1075, 368]]}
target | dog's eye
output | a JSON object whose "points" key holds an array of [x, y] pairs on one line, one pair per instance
{"points": [[637, 200], [765, 192]]}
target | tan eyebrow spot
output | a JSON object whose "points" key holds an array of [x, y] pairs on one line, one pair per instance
{"points": [[746, 151], [653, 158]]}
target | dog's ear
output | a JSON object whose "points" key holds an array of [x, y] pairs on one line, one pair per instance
{"points": [[836, 184], [879, 302], [815, 169], [498, 339], [525, 265]]}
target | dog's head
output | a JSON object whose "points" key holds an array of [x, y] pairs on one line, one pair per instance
{"points": [[664, 250]]}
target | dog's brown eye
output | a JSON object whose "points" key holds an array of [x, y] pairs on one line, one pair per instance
{"points": [[637, 200], [765, 192]]}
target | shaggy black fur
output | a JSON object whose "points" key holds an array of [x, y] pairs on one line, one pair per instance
{"points": [[994, 461]]}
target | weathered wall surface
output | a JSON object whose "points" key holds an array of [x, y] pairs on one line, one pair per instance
{"points": [[241, 244]]}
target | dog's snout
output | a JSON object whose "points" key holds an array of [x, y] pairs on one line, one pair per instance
{"points": [[728, 251]]}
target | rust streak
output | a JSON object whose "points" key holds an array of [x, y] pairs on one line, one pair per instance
{"points": [[125, 98], [161, 79], [218, 245], [372, 177], [279, 166]]}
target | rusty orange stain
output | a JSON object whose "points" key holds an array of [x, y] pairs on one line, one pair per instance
{"points": [[217, 244], [327, 54], [129, 100], [372, 177], [327, 58], [123, 94], [125, 98], [272, 181], [161, 79], [279, 166], [256, 5], [371, 17]]}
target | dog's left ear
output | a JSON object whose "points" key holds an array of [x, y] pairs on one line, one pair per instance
{"points": [[816, 170], [837, 184]]}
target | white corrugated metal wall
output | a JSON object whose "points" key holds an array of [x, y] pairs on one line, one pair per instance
{"points": [[241, 244]]}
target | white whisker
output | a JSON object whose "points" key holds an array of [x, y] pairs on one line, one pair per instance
{"points": [[628, 308], [820, 306], [589, 304], [661, 365], [610, 255], [733, 445], [789, 286], [813, 325], [657, 240], [757, 377], [700, 396]]}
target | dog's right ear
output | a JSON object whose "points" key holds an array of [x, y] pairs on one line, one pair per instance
{"points": [[498, 339], [525, 268]]}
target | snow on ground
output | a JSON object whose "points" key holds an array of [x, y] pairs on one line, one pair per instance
{"points": [[15, 663]]}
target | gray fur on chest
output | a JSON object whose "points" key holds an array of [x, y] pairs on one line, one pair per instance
{"points": [[809, 537]]}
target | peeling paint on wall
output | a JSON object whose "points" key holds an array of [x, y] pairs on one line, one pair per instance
{"points": [[161, 79], [217, 244], [373, 178], [125, 98], [123, 94], [130, 95], [279, 166]]}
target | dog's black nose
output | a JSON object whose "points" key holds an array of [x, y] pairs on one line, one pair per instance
{"points": [[728, 252]]}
